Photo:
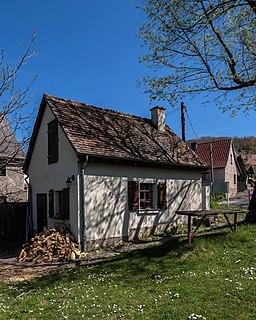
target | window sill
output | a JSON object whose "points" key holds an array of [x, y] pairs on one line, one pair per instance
{"points": [[141, 212]]}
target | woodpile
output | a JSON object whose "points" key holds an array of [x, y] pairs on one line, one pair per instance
{"points": [[56, 244]]}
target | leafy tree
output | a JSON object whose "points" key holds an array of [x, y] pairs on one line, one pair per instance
{"points": [[15, 117], [201, 46]]}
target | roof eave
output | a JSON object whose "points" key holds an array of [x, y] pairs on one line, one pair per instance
{"points": [[139, 163]]}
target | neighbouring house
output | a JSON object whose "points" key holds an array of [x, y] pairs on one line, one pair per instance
{"points": [[250, 167], [108, 175], [12, 160], [220, 156]]}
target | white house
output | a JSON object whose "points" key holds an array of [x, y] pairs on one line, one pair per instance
{"points": [[109, 175]]}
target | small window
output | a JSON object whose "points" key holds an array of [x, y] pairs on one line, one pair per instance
{"points": [[62, 204], [146, 196], [235, 178], [206, 177], [231, 159], [53, 142], [2, 171]]}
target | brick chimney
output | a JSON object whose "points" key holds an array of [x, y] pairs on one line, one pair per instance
{"points": [[158, 117]]}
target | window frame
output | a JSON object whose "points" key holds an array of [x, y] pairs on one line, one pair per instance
{"points": [[61, 204], [157, 195]]}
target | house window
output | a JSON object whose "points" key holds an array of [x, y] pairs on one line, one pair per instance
{"points": [[231, 159], [53, 142], [235, 179], [2, 171], [206, 177], [62, 204], [146, 195]]}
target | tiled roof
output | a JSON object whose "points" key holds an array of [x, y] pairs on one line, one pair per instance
{"points": [[110, 134], [220, 152], [9, 146]]}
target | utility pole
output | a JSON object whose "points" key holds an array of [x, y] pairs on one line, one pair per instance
{"points": [[211, 163], [183, 121]]}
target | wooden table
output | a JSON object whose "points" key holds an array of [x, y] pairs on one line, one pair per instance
{"points": [[205, 213]]}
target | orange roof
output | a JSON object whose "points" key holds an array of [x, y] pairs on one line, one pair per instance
{"points": [[220, 152]]}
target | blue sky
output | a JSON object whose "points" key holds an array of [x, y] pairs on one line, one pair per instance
{"points": [[88, 51]]}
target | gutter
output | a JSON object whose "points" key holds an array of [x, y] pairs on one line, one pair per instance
{"points": [[141, 163], [29, 220], [82, 205]]}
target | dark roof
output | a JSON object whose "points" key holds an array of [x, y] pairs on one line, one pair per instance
{"points": [[220, 152], [108, 134], [9, 146]]}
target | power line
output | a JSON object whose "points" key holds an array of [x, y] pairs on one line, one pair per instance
{"points": [[191, 124], [172, 112]]}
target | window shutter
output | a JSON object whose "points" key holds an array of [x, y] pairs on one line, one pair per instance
{"points": [[133, 195], [161, 188], [51, 203], [65, 204], [53, 139]]}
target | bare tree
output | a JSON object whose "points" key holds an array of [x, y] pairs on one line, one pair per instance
{"points": [[15, 115], [201, 46]]}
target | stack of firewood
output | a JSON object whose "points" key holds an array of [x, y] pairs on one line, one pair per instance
{"points": [[56, 244]]}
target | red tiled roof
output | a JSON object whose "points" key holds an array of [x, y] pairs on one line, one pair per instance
{"points": [[220, 152], [105, 133]]}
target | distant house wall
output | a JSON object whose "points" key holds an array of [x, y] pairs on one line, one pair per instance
{"points": [[227, 174], [12, 184], [44, 177], [107, 215], [231, 172]]}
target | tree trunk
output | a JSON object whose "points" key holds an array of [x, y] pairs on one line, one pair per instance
{"points": [[251, 215]]}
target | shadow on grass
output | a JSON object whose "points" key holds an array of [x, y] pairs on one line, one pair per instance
{"points": [[137, 264]]}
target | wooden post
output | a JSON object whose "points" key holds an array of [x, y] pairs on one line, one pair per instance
{"points": [[235, 221], [189, 230]]}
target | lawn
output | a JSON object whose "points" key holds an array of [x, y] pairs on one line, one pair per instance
{"points": [[215, 278]]}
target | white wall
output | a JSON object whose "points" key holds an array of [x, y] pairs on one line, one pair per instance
{"points": [[44, 177], [106, 200]]}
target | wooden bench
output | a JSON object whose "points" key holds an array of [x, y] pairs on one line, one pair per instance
{"points": [[202, 214]]}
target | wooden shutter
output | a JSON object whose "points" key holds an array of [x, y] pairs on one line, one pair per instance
{"points": [[51, 203], [133, 195], [161, 196], [65, 204], [53, 142]]}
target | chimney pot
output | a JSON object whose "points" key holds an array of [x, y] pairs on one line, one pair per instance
{"points": [[158, 117]]}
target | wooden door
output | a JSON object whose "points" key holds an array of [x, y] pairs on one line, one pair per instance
{"points": [[41, 205]]}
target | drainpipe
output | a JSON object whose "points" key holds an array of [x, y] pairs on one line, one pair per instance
{"points": [[82, 205], [29, 222]]}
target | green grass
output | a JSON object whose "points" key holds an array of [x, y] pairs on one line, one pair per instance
{"points": [[215, 278]]}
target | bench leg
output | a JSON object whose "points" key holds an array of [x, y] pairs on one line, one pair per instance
{"points": [[190, 234]]}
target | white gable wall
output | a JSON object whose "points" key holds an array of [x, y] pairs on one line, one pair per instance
{"points": [[106, 200], [44, 177]]}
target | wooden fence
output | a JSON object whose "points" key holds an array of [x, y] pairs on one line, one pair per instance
{"points": [[13, 221]]}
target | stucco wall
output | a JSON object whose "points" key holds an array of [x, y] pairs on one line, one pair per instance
{"points": [[227, 174], [106, 200], [12, 184], [44, 177]]}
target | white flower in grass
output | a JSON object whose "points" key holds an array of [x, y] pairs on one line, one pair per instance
{"points": [[194, 316]]}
